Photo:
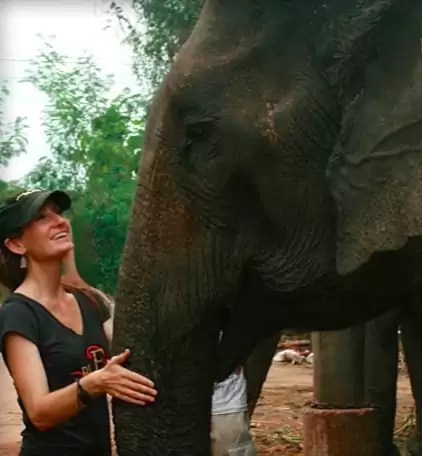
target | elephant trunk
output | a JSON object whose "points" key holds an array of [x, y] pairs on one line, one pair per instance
{"points": [[175, 271]]}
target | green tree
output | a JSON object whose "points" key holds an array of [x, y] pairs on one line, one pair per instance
{"points": [[13, 139], [95, 142], [13, 142], [160, 28]]}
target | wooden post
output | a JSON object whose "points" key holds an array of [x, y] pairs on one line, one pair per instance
{"points": [[339, 367], [339, 423]]}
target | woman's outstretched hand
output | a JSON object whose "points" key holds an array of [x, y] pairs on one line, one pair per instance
{"points": [[121, 383]]}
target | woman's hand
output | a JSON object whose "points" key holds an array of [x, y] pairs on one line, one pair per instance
{"points": [[119, 382]]}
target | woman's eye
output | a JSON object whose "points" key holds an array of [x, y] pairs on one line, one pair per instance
{"points": [[56, 209], [40, 217]]}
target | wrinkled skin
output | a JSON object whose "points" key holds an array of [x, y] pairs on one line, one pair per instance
{"points": [[381, 360], [280, 187]]}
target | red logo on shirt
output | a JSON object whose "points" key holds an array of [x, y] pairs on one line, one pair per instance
{"points": [[96, 360]]}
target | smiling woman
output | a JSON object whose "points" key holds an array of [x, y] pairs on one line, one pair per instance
{"points": [[53, 338], [18, 212]]}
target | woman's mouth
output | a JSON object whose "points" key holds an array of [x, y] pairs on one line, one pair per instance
{"points": [[61, 235]]}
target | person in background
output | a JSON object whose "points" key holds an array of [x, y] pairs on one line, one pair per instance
{"points": [[230, 434], [54, 337]]}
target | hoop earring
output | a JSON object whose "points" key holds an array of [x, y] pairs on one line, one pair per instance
{"points": [[24, 263]]}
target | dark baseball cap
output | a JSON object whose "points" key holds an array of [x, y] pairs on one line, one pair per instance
{"points": [[18, 211]]}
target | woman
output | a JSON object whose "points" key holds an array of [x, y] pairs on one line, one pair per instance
{"points": [[53, 338]]}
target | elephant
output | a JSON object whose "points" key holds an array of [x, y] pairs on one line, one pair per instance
{"points": [[279, 187], [381, 370]]}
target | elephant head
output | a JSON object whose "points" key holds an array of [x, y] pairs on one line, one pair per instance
{"points": [[279, 184]]}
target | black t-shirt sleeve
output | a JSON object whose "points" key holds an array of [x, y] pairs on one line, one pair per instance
{"points": [[17, 317]]}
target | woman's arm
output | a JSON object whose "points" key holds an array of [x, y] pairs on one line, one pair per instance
{"points": [[109, 303], [46, 409], [27, 371], [108, 330]]}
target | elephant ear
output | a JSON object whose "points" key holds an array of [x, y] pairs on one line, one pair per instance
{"points": [[376, 169]]}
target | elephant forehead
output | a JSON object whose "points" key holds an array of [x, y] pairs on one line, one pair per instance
{"points": [[255, 97], [254, 54]]}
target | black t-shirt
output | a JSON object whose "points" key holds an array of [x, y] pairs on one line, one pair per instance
{"points": [[66, 356]]}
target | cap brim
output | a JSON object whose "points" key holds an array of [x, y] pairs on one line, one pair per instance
{"points": [[59, 198], [21, 213]]}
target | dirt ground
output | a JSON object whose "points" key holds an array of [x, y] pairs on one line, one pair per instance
{"points": [[276, 425], [277, 422]]}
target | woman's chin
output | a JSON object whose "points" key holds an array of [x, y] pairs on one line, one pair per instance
{"points": [[65, 249]]}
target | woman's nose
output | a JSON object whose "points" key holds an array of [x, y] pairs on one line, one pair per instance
{"points": [[59, 219]]}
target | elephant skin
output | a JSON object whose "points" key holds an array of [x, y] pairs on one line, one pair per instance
{"points": [[381, 371], [280, 186], [257, 367]]}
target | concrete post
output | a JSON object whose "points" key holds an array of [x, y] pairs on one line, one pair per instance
{"points": [[339, 423]]}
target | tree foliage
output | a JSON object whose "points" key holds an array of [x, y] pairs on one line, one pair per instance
{"points": [[95, 142], [160, 28], [13, 139], [94, 138]]}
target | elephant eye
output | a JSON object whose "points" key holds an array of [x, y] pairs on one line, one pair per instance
{"points": [[198, 130], [199, 144]]}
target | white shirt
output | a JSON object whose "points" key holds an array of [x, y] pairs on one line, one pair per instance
{"points": [[230, 395]]}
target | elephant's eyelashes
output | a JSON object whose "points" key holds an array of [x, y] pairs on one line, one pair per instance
{"points": [[198, 131], [200, 145]]}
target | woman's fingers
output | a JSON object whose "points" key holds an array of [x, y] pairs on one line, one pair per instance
{"points": [[131, 387], [129, 395], [120, 358], [127, 398], [139, 388], [138, 378]]}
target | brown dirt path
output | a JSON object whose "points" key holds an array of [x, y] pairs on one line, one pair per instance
{"points": [[277, 423], [10, 417]]}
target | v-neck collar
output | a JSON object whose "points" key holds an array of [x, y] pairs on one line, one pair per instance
{"points": [[81, 310]]}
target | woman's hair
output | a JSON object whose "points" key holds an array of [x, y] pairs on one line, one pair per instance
{"points": [[11, 273], [79, 287], [100, 299]]}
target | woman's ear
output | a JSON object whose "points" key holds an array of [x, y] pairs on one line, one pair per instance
{"points": [[15, 246]]}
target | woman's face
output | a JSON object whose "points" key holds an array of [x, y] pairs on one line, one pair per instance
{"points": [[46, 238]]}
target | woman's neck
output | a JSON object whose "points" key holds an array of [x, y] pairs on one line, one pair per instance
{"points": [[71, 274], [43, 282]]}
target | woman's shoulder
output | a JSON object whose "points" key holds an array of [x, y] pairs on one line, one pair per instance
{"points": [[18, 315], [18, 307], [16, 302]]}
